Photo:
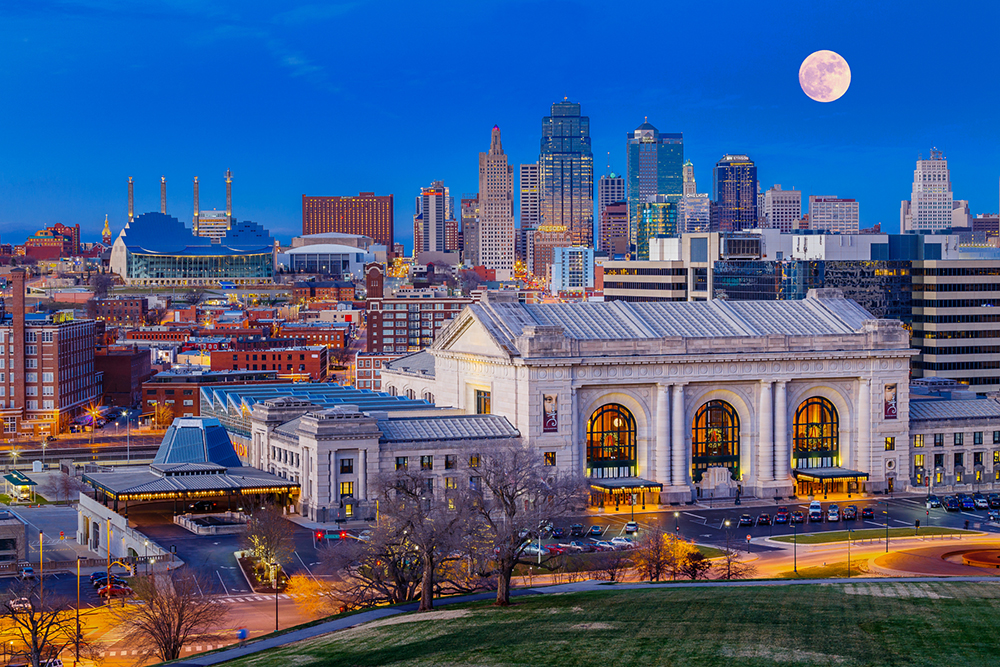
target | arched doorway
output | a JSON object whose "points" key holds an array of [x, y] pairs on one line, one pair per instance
{"points": [[715, 439], [816, 442], [611, 448]]}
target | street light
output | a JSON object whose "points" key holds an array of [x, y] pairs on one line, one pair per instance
{"points": [[78, 559], [274, 569], [677, 523], [146, 544], [128, 428], [886, 513], [795, 548], [849, 553]]}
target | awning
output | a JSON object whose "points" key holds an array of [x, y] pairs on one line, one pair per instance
{"points": [[827, 474], [17, 479], [631, 484]]}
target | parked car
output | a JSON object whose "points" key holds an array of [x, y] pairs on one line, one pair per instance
{"points": [[993, 516], [631, 527], [203, 506], [20, 604], [833, 513], [604, 545], [764, 520], [815, 515], [595, 531], [556, 548], [951, 504], [867, 513], [622, 542], [932, 501], [115, 581], [967, 502], [27, 572], [558, 532], [115, 591], [581, 546], [797, 517], [994, 500], [980, 502], [576, 530], [746, 520], [850, 513], [781, 516]]}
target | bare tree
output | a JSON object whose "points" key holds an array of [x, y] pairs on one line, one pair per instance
{"points": [[40, 632], [381, 570], [163, 415], [694, 565], [435, 524], [731, 565], [612, 565], [102, 284], [168, 616], [268, 535], [516, 499], [653, 554], [68, 487]]}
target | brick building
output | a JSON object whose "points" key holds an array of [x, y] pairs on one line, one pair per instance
{"points": [[53, 242], [290, 363], [327, 334], [179, 387], [327, 290], [123, 310], [48, 375], [366, 214], [407, 321], [124, 369], [368, 369]]}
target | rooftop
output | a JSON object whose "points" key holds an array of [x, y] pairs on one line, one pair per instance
{"points": [[452, 427], [939, 410]]}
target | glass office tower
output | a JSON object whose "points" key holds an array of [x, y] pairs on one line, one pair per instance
{"points": [[566, 164], [734, 190], [656, 217], [655, 167]]}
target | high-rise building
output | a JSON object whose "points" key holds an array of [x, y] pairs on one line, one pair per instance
{"points": [[572, 269], [690, 187], [833, 214], [496, 209], [657, 217], [567, 173], [529, 189], [435, 208], [541, 246], [694, 213], [734, 190], [929, 208], [610, 189], [614, 236], [365, 214], [782, 208], [470, 229], [655, 167]]}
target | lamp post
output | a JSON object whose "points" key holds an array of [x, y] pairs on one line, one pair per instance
{"points": [[795, 548], [677, 523], [41, 573], [848, 553], [78, 559], [146, 545], [885, 512], [128, 429], [274, 568]]}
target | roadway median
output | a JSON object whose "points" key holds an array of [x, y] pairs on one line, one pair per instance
{"points": [[872, 534]]}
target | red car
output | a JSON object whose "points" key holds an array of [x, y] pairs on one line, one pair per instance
{"points": [[555, 548], [115, 591]]}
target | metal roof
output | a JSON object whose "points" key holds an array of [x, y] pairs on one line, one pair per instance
{"points": [[938, 410], [239, 399], [454, 427], [122, 484]]}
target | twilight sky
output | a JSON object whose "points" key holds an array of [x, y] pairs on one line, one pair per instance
{"points": [[331, 98]]}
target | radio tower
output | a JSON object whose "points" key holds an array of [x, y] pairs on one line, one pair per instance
{"points": [[163, 194], [131, 200], [229, 193], [196, 205]]}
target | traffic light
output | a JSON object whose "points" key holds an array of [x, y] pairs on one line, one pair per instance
{"points": [[343, 534], [319, 536]]}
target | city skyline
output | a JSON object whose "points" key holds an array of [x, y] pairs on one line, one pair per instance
{"points": [[283, 109]]}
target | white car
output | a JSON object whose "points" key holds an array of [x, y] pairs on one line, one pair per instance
{"points": [[534, 550], [631, 527], [833, 514], [622, 543], [20, 604]]}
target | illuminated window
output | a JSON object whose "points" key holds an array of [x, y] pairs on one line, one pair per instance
{"points": [[816, 434], [482, 402], [427, 463], [918, 440], [473, 460], [401, 462], [918, 461], [715, 439], [611, 442], [346, 489], [890, 444], [550, 458]]}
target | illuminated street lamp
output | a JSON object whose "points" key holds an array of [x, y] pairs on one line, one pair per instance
{"points": [[677, 523]]}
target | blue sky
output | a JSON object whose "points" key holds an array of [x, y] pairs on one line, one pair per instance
{"points": [[336, 98]]}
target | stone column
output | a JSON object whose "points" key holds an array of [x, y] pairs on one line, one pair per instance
{"points": [[864, 462], [782, 450], [333, 498], [765, 436], [363, 474], [577, 439], [679, 474], [662, 457]]}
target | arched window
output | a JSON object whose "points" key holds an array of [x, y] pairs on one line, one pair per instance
{"points": [[391, 390], [715, 439], [611, 440], [429, 397], [410, 394], [816, 439]]}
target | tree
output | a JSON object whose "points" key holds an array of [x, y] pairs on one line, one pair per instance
{"points": [[515, 501], [380, 570], [612, 565], [163, 415], [731, 565], [68, 487], [434, 524], [268, 536], [170, 614], [101, 284], [653, 554], [40, 632], [694, 565], [315, 597]]}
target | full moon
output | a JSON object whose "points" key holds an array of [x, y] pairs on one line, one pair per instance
{"points": [[824, 76]]}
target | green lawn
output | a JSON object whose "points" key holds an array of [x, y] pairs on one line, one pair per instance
{"points": [[869, 534], [833, 570], [881, 624]]}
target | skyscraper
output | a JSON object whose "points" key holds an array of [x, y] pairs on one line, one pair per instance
{"points": [[783, 208], [528, 187], [690, 187], [365, 214], [833, 214], [694, 213], [435, 208], [470, 229], [610, 189], [614, 236], [657, 217], [496, 209], [734, 189], [930, 204], [567, 174], [655, 167]]}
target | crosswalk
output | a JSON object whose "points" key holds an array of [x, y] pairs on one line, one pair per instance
{"points": [[250, 598], [197, 648]]}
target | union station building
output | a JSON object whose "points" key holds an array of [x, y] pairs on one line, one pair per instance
{"points": [[673, 401]]}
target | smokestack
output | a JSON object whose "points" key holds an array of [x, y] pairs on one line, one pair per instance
{"points": [[17, 363], [195, 204], [131, 200], [163, 194], [229, 193]]}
